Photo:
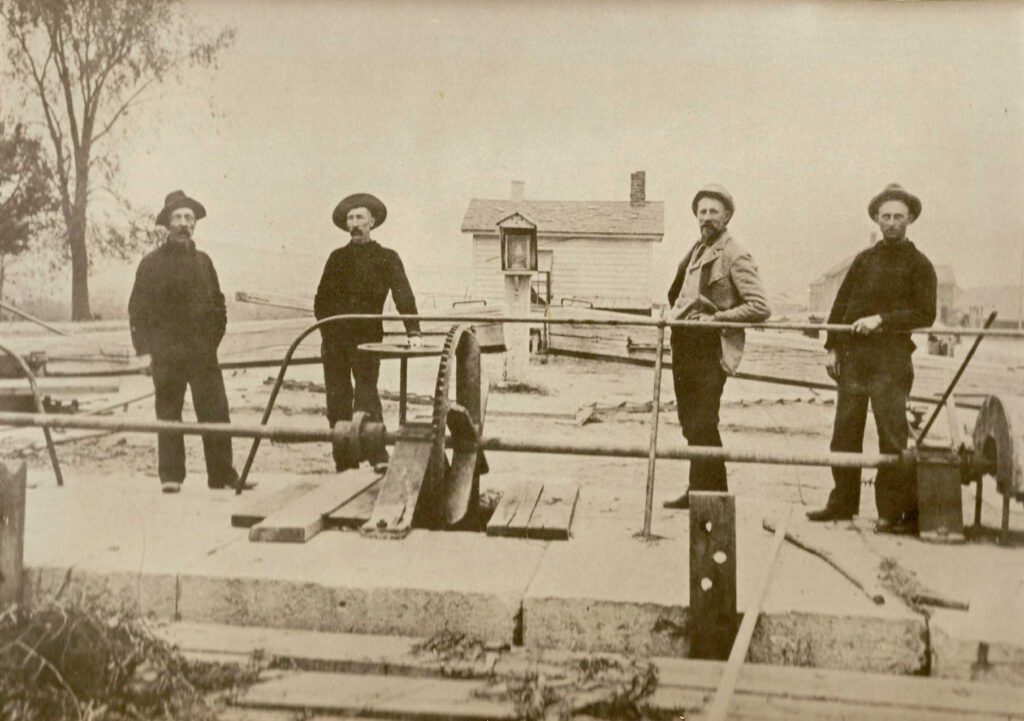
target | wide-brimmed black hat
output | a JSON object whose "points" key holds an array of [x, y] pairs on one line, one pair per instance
{"points": [[176, 200], [714, 190], [895, 191], [360, 200]]}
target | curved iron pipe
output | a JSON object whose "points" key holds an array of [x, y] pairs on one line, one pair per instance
{"points": [[285, 362], [39, 409]]}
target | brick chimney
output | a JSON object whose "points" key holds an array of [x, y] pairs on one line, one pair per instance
{"points": [[637, 188], [517, 190]]}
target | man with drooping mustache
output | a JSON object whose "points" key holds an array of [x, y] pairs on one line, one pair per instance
{"points": [[717, 280], [178, 317], [891, 286], [356, 280]]}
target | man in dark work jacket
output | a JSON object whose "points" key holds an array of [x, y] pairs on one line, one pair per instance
{"points": [[889, 287], [178, 318], [357, 279]]}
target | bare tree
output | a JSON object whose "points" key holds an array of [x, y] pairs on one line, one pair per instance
{"points": [[88, 63], [25, 198]]}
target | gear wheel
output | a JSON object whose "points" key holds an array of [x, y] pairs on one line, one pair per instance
{"points": [[453, 484]]}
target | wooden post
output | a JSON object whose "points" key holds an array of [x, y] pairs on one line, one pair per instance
{"points": [[12, 534], [517, 335], [712, 616]]}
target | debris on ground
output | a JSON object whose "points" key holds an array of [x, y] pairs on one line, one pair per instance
{"points": [[594, 686], [90, 658]]}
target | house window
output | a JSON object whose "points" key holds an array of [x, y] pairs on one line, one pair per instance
{"points": [[540, 286]]}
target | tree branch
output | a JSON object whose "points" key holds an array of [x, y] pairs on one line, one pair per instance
{"points": [[123, 109]]}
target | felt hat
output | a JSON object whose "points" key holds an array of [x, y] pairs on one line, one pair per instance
{"points": [[895, 191], [714, 190], [176, 200], [360, 200]]}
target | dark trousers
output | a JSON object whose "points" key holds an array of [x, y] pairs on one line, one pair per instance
{"points": [[203, 376], [342, 365], [884, 379], [699, 380]]}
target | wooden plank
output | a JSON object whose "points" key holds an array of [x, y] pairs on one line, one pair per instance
{"points": [[258, 507], [12, 533], [515, 508], [357, 511], [719, 709], [552, 518], [876, 691], [396, 503], [303, 518], [766, 684], [413, 698], [712, 574]]}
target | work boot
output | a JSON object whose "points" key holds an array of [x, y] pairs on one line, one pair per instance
{"points": [[830, 513], [230, 482], [170, 486], [899, 527], [682, 503]]}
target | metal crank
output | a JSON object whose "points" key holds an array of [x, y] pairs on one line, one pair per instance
{"points": [[423, 488]]}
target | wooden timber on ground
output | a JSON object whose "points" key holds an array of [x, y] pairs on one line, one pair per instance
{"points": [[384, 676], [304, 516], [535, 509], [257, 507]]}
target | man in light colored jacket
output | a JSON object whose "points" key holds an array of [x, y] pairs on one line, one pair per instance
{"points": [[717, 281]]}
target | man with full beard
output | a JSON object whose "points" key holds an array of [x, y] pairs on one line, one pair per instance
{"points": [[178, 317], [716, 281], [356, 280]]}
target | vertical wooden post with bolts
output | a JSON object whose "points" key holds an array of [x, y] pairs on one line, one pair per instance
{"points": [[12, 534], [712, 614]]}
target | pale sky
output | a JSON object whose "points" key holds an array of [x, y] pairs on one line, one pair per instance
{"points": [[804, 110]]}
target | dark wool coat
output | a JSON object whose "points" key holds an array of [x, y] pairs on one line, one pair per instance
{"points": [[177, 310], [357, 279]]}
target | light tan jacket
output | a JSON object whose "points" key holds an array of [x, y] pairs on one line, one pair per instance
{"points": [[733, 286]]}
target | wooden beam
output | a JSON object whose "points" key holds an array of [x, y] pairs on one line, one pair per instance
{"points": [[712, 610], [12, 534], [723, 695]]}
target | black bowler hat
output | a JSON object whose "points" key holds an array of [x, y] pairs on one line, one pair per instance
{"points": [[895, 191], [360, 200], [175, 200]]}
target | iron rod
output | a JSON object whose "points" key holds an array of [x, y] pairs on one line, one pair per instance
{"points": [[654, 323], [653, 449], [11, 309], [543, 444], [375, 433], [956, 379], [282, 434], [528, 444]]}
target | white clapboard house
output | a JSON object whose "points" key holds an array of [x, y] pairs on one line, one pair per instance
{"points": [[589, 253]]}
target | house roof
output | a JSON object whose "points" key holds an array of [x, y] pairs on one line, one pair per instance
{"points": [[570, 217]]}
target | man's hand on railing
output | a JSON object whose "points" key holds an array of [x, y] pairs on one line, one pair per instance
{"points": [[870, 324], [415, 341]]}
